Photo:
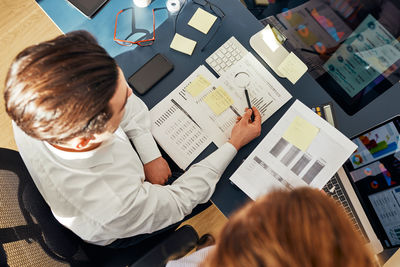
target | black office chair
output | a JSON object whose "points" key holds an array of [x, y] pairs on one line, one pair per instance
{"points": [[30, 235]]}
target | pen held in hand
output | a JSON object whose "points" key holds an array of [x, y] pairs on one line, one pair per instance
{"points": [[184, 111], [249, 104]]}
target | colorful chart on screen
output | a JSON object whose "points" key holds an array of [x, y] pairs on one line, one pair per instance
{"points": [[375, 145], [374, 172], [351, 49]]}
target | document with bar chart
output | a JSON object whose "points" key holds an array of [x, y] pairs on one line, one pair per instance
{"points": [[204, 109], [302, 149], [174, 126]]}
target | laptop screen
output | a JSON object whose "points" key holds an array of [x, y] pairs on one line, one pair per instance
{"points": [[374, 170]]}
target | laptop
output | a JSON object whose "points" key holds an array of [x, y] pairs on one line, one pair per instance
{"points": [[371, 181]]}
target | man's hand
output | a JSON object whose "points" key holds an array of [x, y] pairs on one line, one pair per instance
{"points": [[157, 171], [245, 130]]}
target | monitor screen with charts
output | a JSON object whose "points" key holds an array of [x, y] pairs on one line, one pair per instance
{"points": [[351, 48], [374, 172]]}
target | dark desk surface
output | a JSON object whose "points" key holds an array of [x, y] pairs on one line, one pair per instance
{"points": [[68, 18], [240, 23], [227, 197]]}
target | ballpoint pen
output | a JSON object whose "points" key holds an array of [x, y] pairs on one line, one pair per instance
{"points": [[249, 104], [184, 111]]}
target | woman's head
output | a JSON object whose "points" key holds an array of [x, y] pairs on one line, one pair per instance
{"points": [[303, 227]]}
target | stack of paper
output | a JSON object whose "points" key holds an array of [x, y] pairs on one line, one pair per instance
{"points": [[204, 109], [302, 149]]}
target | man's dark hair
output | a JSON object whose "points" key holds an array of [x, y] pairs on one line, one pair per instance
{"points": [[60, 89]]}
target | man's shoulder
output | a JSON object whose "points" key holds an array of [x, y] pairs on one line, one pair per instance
{"points": [[26, 144]]}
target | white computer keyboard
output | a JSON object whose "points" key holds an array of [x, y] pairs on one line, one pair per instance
{"points": [[226, 55]]}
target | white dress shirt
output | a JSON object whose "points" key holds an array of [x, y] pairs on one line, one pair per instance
{"points": [[102, 195]]}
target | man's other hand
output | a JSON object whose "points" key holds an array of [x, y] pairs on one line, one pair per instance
{"points": [[245, 130], [157, 171]]}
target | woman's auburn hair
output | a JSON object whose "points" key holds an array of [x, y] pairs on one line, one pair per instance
{"points": [[299, 228]]}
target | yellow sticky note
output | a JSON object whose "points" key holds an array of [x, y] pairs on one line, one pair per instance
{"points": [[182, 44], [292, 67], [300, 133], [198, 85], [202, 20], [218, 100]]}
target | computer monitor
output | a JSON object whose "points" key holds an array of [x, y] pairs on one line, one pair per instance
{"points": [[351, 47], [374, 173]]}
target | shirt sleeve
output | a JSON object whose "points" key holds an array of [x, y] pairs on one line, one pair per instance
{"points": [[192, 260], [136, 123], [153, 207]]}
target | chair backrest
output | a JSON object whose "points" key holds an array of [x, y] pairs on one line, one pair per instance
{"points": [[29, 233], [31, 236]]}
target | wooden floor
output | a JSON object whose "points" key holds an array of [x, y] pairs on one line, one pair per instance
{"points": [[23, 23]]}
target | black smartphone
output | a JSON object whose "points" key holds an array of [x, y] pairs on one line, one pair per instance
{"points": [[150, 73]]}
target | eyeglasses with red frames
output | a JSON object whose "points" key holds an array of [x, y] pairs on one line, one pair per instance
{"points": [[145, 42]]}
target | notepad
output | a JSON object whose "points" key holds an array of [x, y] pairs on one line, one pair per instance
{"points": [[270, 38], [218, 100], [300, 133], [182, 44], [202, 20], [292, 68], [197, 86]]}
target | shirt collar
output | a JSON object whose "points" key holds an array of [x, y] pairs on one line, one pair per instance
{"points": [[88, 159]]}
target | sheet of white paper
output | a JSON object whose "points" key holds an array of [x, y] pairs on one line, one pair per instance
{"points": [[176, 131], [218, 128], [275, 163], [266, 93]]}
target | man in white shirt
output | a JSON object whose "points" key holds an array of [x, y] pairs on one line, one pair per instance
{"points": [[74, 116]]}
